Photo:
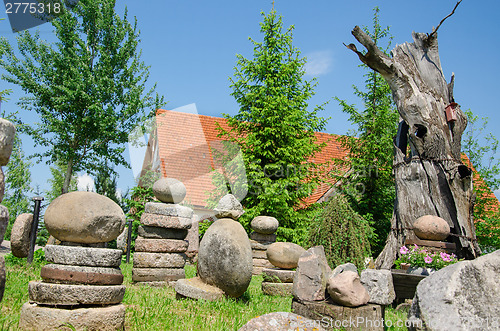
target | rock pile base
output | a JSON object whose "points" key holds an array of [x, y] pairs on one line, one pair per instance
{"points": [[277, 282], [81, 288], [263, 235]]}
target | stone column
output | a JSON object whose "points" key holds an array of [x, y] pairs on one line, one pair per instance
{"points": [[263, 235], [82, 286], [160, 248]]}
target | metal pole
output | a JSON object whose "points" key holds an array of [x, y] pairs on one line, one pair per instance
{"points": [[34, 228], [129, 239]]}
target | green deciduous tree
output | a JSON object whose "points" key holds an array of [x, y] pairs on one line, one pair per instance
{"points": [[482, 156], [370, 183], [275, 130], [56, 182], [88, 87]]}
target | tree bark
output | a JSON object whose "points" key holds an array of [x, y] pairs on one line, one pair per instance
{"points": [[430, 178], [67, 177]]}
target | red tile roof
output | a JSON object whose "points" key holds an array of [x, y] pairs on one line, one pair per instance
{"points": [[184, 148]]}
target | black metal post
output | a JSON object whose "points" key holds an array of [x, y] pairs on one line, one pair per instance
{"points": [[34, 227], [129, 239]]}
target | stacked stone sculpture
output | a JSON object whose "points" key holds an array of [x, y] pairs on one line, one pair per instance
{"points": [[82, 287], [224, 258], [7, 134], [285, 256], [159, 257], [338, 295], [263, 235]]}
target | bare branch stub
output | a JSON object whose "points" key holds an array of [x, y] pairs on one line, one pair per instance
{"points": [[452, 12]]}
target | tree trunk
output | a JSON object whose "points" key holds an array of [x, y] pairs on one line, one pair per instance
{"points": [[67, 177], [430, 178]]}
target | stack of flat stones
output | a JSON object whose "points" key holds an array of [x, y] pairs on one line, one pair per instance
{"points": [[7, 134], [263, 235], [159, 257], [285, 257], [82, 286]]}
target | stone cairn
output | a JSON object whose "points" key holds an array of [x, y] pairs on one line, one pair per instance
{"points": [[285, 256], [159, 257], [224, 258], [82, 286], [340, 295], [263, 235], [7, 134]]}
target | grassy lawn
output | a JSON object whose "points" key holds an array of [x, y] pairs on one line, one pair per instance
{"points": [[150, 308]]}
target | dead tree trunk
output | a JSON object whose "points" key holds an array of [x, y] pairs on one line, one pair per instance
{"points": [[430, 178]]}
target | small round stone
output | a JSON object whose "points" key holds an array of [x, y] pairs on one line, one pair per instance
{"points": [[431, 227], [284, 255], [20, 235], [83, 256], [229, 207], [264, 224], [157, 274], [84, 217], [169, 190], [72, 295], [67, 274], [40, 318]]}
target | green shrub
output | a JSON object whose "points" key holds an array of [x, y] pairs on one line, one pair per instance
{"points": [[343, 233]]}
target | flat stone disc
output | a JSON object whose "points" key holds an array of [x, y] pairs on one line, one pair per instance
{"points": [[157, 274], [168, 209], [83, 256], [278, 275], [159, 260], [195, 288], [165, 221], [154, 232], [66, 274], [160, 245], [72, 295]]}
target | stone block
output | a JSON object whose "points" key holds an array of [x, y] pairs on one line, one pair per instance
{"points": [[160, 245], [278, 289], [157, 274], [168, 209], [154, 232], [83, 256], [159, 260], [66, 274], [278, 275], [195, 288]]}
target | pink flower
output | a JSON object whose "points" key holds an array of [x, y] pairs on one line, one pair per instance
{"points": [[427, 259], [403, 250]]}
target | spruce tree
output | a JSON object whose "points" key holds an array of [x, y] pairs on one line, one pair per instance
{"points": [[370, 183], [275, 130]]}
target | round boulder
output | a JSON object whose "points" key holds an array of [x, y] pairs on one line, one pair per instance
{"points": [[284, 255], [20, 235], [430, 227], [169, 190], [84, 217], [228, 207], [264, 224], [225, 257]]}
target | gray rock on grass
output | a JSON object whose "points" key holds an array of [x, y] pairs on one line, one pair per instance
{"points": [[20, 235]]}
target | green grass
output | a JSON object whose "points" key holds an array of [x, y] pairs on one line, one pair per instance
{"points": [[152, 308]]}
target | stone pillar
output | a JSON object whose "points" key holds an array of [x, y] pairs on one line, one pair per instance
{"points": [[263, 235], [82, 285], [160, 248]]}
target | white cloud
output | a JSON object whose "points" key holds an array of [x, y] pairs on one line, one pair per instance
{"points": [[85, 183], [497, 194], [318, 63]]}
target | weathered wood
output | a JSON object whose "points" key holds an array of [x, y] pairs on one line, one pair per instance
{"points": [[405, 284], [428, 243], [432, 180]]}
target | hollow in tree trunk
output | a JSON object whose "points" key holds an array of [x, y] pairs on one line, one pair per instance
{"points": [[430, 176]]}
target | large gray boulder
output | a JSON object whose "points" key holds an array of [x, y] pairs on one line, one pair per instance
{"points": [[7, 134], [4, 221], [462, 296], [311, 276], [225, 257], [84, 217], [284, 255], [379, 285]]}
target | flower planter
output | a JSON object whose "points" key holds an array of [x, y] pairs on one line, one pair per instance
{"points": [[405, 284]]}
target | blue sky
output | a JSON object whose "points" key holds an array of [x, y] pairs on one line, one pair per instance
{"points": [[191, 47]]}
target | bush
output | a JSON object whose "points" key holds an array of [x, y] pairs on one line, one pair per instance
{"points": [[343, 233]]}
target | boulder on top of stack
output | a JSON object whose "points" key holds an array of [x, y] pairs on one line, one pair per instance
{"points": [[82, 285], [285, 256], [224, 262], [160, 248], [263, 235], [229, 207]]}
